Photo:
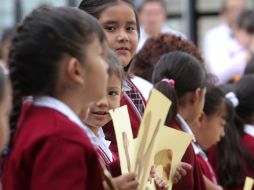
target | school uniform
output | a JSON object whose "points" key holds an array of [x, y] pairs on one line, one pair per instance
{"points": [[205, 166], [194, 178], [247, 141], [136, 104], [111, 160], [51, 150]]}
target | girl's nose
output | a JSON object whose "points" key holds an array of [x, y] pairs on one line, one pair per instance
{"points": [[103, 102], [123, 36]]}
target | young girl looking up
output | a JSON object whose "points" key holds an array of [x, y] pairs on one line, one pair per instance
{"points": [[182, 78], [120, 22], [58, 58], [208, 130]]}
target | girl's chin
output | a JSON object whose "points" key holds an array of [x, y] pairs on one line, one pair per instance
{"points": [[125, 59]]}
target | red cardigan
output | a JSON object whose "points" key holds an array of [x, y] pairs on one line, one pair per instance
{"points": [[247, 142], [51, 152], [194, 178], [206, 169]]}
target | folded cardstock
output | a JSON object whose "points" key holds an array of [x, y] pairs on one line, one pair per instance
{"points": [[124, 136], [170, 147], [156, 144], [153, 120]]}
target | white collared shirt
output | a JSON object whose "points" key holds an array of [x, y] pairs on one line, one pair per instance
{"points": [[143, 85], [53, 103], [102, 143], [186, 128], [249, 129]]}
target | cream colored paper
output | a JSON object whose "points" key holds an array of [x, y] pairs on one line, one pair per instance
{"points": [[154, 143], [124, 136], [169, 149], [249, 182], [153, 120]]}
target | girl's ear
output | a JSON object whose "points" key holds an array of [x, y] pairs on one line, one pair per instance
{"points": [[75, 71], [196, 96], [202, 118]]}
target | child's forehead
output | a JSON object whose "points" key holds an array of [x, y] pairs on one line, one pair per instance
{"points": [[121, 8], [222, 110], [114, 77]]}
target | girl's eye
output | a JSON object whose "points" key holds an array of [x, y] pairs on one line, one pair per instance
{"points": [[130, 29], [113, 93], [110, 28]]}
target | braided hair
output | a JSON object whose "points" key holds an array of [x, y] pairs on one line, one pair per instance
{"points": [[41, 41]]}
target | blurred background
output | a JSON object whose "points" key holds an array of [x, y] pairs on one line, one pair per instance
{"points": [[191, 17]]}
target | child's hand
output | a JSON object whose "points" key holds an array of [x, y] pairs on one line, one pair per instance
{"points": [[160, 183], [126, 182], [181, 170]]}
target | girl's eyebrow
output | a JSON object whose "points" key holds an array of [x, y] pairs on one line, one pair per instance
{"points": [[131, 23], [113, 88], [115, 22], [109, 22]]}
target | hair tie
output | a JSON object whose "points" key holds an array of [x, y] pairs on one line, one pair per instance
{"points": [[171, 82], [231, 96]]}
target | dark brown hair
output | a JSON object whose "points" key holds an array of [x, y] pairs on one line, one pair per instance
{"points": [[96, 7], [145, 60], [115, 66], [38, 47], [246, 21], [187, 72]]}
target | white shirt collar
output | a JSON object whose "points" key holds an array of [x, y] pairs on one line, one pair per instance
{"points": [[185, 127], [53, 103], [126, 86], [249, 129], [101, 142], [198, 150]]}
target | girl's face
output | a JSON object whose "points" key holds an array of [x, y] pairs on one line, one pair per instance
{"points": [[5, 109], [95, 72], [98, 114], [212, 127], [120, 25]]}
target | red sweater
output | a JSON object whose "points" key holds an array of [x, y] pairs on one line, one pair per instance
{"points": [[206, 168], [113, 166], [194, 178], [50, 152], [247, 142]]}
